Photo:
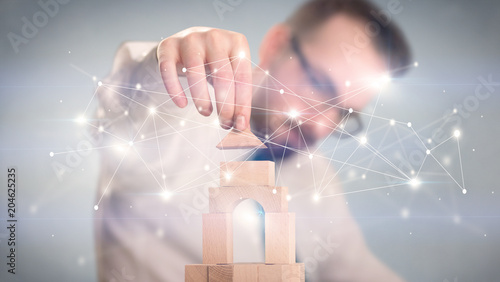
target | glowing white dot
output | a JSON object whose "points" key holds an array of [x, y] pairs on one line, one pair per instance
{"points": [[266, 136], [464, 191], [282, 91], [51, 154], [414, 183], [94, 78], [405, 213], [60, 101], [53, 235], [316, 197], [456, 133], [428, 152], [206, 167], [100, 129], [99, 83], [184, 70], [363, 140], [266, 72], [138, 86], [415, 64], [408, 124], [385, 79], [228, 176], [347, 83], [131, 143], [293, 114], [166, 195], [96, 207], [412, 172], [182, 122], [242, 55], [215, 70], [351, 110], [152, 110], [288, 197], [392, 122], [484, 235], [126, 113], [311, 157], [298, 165], [275, 191], [142, 136], [163, 176], [200, 109], [363, 176], [429, 141], [81, 120]]}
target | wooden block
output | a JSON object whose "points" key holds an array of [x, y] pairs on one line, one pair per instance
{"points": [[282, 272], [244, 272], [196, 273], [225, 199], [236, 139], [217, 238], [249, 173], [220, 273], [280, 238]]}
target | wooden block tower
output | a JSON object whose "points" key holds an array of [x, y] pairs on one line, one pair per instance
{"points": [[240, 181]]}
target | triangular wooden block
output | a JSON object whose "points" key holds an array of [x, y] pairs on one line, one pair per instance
{"points": [[236, 139]]}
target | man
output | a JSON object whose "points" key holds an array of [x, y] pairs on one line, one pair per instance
{"points": [[315, 72]]}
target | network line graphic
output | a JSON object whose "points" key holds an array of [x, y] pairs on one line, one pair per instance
{"points": [[147, 128]]}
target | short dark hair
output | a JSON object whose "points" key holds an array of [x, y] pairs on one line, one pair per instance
{"points": [[389, 39]]}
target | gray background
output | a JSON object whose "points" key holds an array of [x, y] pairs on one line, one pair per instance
{"points": [[446, 235]]}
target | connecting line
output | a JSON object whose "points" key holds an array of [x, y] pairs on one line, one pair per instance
{"points": [[337, 172], [345, 119], [460, 159], [112, 177], [364, 190], [446, 171], [187, 140], [159, 153], [283, 156], [150, 171]]}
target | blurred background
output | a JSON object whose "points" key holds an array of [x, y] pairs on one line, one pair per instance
{"points": [[447, 228]]}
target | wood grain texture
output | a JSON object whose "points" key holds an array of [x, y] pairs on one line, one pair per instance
{"points": [[280, 238], [248, 173], [240, 272], [217, 238], [236, 139], [282, 272], [196, 273], [225, 199]]}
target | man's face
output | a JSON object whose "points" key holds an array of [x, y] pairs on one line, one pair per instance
{"points": [[338, 71]]}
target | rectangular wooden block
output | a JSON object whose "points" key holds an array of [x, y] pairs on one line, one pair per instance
{"points": [[245, 272], [249, 173], [225, 199], [196, 273], [217, 238], [282, 272], [280, 238]]}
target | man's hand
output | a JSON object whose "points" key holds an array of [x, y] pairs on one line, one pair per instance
{"points": [[220, 55]]}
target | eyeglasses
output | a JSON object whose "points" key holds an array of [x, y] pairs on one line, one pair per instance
{"points": [[349, 129]]}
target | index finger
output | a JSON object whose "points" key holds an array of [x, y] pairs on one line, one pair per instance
{"points": [[242, 69]]}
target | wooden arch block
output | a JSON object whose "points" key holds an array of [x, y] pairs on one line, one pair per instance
{"points": [[225, 199]]}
